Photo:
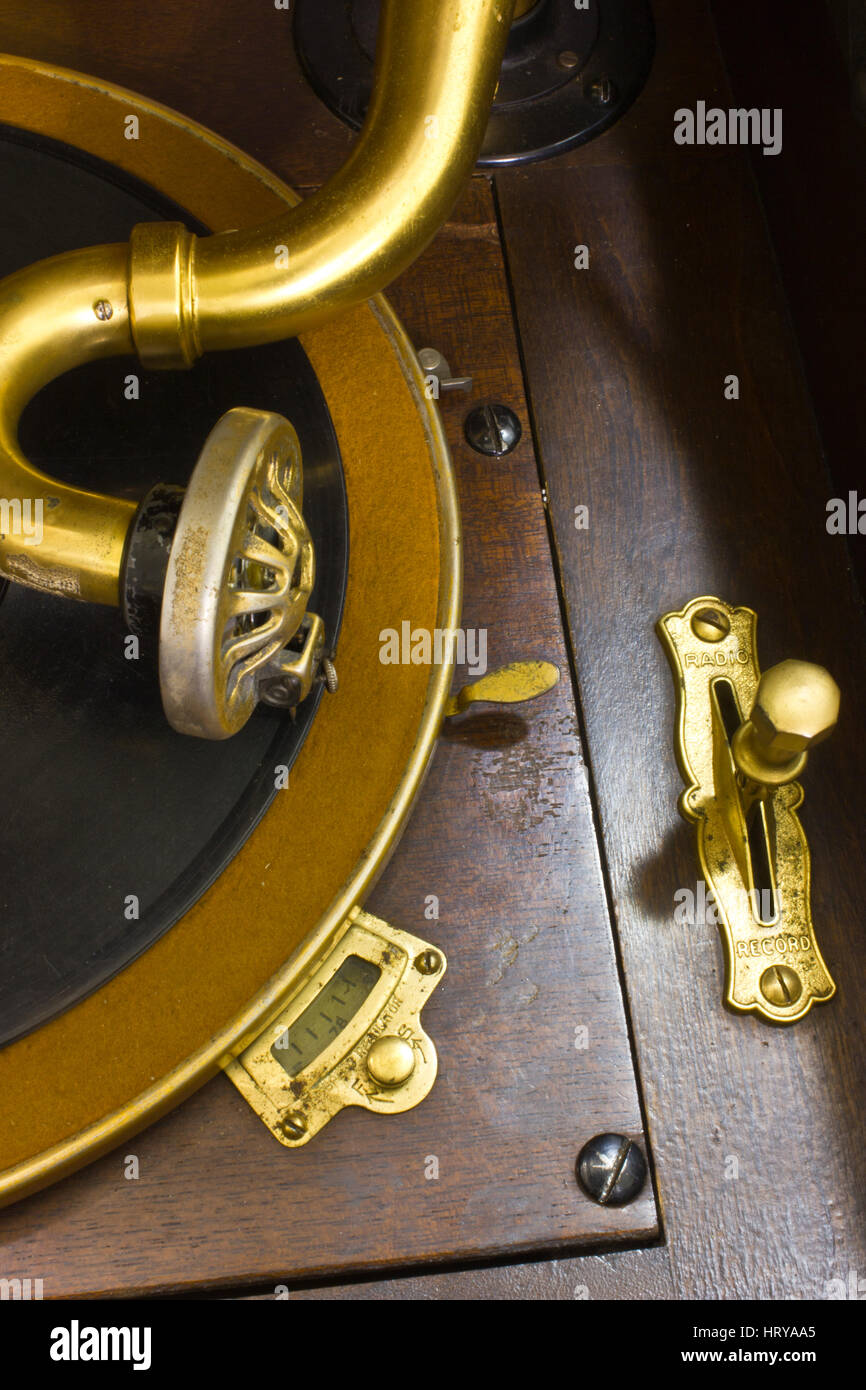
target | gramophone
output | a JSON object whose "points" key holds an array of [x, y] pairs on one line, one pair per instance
{"points": [[238, 503], [241, 661]]}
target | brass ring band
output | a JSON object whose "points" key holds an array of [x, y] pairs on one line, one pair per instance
{"points": [[161, 313]]}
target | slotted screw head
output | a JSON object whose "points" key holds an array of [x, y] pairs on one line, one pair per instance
{"points": [[611, 1169], [294, 1126], [781, 985], [711, 625], [428, 962], [492, 429]]}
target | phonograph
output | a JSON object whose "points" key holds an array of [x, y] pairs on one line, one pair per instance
{"points": [[237, 505], [207, 538]]}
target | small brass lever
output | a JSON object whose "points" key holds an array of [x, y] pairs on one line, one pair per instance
{"points": [[508, 685], [742, 741]]}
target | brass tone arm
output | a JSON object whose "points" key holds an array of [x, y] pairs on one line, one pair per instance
{"points": [[437, 69], [53, 316]]}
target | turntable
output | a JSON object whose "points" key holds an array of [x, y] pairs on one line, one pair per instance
{"points": [[308, 883]]}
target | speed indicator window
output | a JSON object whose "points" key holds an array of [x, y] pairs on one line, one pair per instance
{"points": [[330, 1012]]}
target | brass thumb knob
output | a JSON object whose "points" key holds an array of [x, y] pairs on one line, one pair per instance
{"points": [[796, 706]]}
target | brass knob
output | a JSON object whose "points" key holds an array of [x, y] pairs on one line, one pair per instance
{"points": [[796, 706], [391, 1061]]}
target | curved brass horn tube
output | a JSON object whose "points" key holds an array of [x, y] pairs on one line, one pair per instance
{"points": [[437, 68], [51, 319]]}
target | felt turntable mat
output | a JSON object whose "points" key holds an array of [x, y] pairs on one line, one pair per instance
{"points": [[151, 1034]]}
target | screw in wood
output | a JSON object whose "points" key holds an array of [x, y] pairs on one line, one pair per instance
{"points": [[611, 1169]]}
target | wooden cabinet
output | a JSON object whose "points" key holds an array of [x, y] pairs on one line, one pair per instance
{"points": [[550, 836]]}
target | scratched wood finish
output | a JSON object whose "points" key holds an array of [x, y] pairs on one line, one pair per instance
{"points": [[690, 493], [504, 839], [643, 1274]]}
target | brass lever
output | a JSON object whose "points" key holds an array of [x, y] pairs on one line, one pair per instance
{"points": [[508, 685], [742, 741]]}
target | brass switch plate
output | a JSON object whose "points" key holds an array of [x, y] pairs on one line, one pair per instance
{"points": [[774, 966]]}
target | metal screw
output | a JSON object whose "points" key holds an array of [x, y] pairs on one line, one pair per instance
{"points": [[568, 59], [329, 674], [103, 309], [780, 985], [431, 359], [428, 962], [492, 429], [294, 1126], [281, 694], [611, 1169], [602, 91], [710, 625]]}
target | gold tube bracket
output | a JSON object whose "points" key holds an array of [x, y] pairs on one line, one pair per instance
{"points": [[740, 740], [351, 1036], [161, 310]]}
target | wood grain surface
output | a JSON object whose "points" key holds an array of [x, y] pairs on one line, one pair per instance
{"points": [[503, 839], [815, 201], [757, 1133]]}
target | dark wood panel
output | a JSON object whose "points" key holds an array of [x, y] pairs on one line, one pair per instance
{"points": [[691, 493], [504, 838], [814, 193]]}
